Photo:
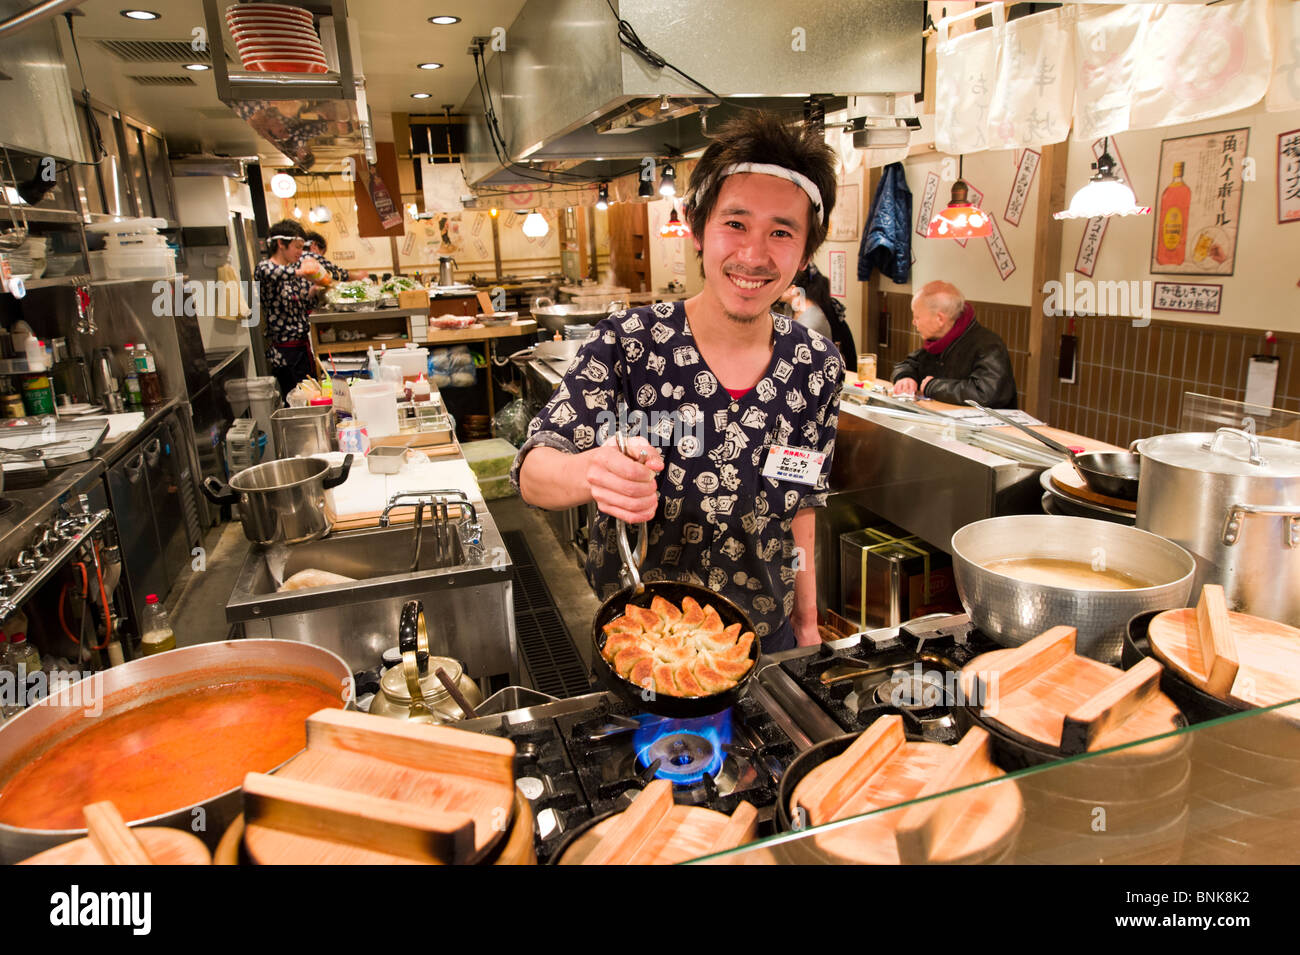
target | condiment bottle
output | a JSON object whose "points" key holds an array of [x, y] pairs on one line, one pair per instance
{"points": [[132, 377], [150, 382], [25, 662], [420, 390], [156, 629], [38, 396]]}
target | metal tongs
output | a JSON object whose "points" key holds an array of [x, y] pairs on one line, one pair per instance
{"points": [[85, 311], [630, 573]]}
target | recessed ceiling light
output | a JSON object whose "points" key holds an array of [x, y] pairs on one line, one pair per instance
{"points": [[197, 67], [420, 95], [443, 21], [141, 15], [429, 66]]}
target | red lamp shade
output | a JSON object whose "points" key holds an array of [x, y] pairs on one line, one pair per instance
{"points": [[674, 228], [960, 219]]}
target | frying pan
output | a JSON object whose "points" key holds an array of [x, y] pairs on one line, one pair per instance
{"points": [[636, 591], [1113, 473]]}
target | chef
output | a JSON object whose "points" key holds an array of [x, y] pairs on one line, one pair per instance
{"points": [[732, 409], [283, 287], [959, 358]]}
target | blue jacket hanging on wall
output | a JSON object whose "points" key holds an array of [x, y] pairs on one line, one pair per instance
{"points": [[887, 240]]}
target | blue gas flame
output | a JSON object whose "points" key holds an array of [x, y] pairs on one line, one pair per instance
{"points": [[715, 729]]}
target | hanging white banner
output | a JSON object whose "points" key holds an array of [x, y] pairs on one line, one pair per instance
{"points": [[1033, 96], [967, 68], [1284, 88], [1202, 61], [1107, 45]]}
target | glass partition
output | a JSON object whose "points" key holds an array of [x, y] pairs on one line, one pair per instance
{"points": [[1225, 791], [1206, 413]]}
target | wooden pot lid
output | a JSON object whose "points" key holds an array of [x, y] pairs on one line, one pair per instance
{"points": [[1244, 660], [656, 831], [1070, 483], [882, 769], [369, 790], [111, 842], [1045, 695]]}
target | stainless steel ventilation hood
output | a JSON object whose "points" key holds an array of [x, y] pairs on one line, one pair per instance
{"points": [[36, 110], [564, 76]]}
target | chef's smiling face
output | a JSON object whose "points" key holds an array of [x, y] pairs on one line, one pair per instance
{"points": [[753, 243]]}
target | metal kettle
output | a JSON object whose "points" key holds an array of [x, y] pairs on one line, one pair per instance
{"points": [[411, 690], [446, 270]]}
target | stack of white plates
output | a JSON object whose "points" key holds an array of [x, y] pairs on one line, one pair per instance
{"points": [[276, 38]]}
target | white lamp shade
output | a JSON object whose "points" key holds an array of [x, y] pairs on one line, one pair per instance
{"points": [[535, 225], [283, 185], [1103, 197]]}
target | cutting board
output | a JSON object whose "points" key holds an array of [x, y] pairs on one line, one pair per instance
{"points": [[369, 790], [1044, 694], [360, 500], [656, 831], [883, 768], [1245, 660]]}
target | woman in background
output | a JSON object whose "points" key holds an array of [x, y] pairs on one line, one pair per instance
{"points": [[814, 307]]}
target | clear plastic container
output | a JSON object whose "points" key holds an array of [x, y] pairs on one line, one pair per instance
{"points": [[156, 630]]}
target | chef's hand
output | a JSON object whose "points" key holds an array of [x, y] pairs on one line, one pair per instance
{"points": [[905, 386], [623, 485]]}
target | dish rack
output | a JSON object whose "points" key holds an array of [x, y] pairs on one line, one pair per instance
{"points": [[245, 445]]}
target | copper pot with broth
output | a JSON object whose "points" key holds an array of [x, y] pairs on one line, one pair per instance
{"points": [[1021, 574]]}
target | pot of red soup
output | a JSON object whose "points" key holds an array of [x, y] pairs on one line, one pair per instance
{"points": [[1019, 575], [168, 738]]}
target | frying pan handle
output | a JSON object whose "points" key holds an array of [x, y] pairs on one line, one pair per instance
{"points": [[1041, 438], [218, 493]]}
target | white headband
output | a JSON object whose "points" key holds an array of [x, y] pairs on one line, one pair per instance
{"points": [[771, 169]]}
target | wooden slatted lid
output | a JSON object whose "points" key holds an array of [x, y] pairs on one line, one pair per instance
{"points": [[1244, 660], [1044, 694]]}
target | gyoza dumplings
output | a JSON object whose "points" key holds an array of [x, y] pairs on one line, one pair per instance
{"points": [[675, 651]]}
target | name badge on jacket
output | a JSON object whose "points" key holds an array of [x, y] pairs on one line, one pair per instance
{"points": [[793, 464]]}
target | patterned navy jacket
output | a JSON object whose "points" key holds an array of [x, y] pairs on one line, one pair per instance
{"points": [[720, 523]]}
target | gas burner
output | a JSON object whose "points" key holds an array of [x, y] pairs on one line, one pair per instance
{"points": [[912, 690], [683, 757], [6, 505]]}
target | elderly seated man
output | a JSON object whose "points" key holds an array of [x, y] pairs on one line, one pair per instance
{"points": [[959, 359]]}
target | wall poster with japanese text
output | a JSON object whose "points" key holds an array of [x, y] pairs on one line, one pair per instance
{"points": [[1198, 204], [1288, 176]]}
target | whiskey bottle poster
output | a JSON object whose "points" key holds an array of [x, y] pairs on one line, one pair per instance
{"points": [[1198, 204]]}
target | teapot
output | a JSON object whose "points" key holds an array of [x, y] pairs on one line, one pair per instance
{"points": [[411, 690]]}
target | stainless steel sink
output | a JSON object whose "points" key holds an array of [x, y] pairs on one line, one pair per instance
{"points": [[466, 592]]}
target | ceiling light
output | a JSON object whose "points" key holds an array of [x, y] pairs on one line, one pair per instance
{"points": [[141, 15], [535, 225], [674, 228], [646, 189], [1106, 194], [420, 95], [668, 184], [602, 196], [429, 66], [444, 21], [320, 214], [493, 212], [197, 67], [284, 185], [297, 212]]}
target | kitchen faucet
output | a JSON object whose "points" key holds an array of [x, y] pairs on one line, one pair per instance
{"points": [[439, 502]]}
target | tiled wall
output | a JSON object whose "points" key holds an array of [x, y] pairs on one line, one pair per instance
{"points": [[1009, 321], [1129, 381]]}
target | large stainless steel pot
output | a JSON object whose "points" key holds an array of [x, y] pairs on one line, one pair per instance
{"points": [[555, 317], [281, 502], [143, 681], [1012, 611], [1233, 500]]}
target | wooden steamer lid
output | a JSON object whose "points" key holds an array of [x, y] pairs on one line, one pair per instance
{"points": [[656, 831], [111, 843], [1043, 695], [374, 791], [1244, 660], [882, 769]]}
